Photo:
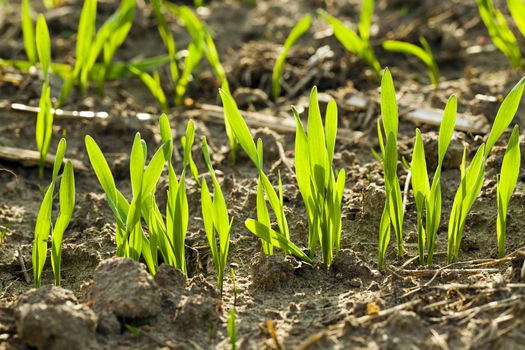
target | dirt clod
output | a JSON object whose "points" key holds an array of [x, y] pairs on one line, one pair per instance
{"points": [[124, 287], [197, 311], [50, 295], [168, 277], [349, 266], [271, 272], [49, 318]]}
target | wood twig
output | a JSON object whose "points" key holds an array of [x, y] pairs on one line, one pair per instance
{"points": [[29, 157]]}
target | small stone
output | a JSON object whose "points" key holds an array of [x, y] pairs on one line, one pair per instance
{"points": [[356, 282]]}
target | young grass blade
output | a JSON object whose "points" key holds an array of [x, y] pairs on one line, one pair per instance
{"points": [[384, 233], [44, 127], [517, 10], [154, 86], [507, 182], [277, 240], [221, 223], [67, 204], [232, 329], [499, 32], [389, 113], [85, 34], [298, 30], [28, 32], [43, 45], [191, 61], [424, 54], [105, 178], [167, 38], [469, 188], [42, 231], [263, 216], [365, 19], [433, 202], [421, 190], [446, 128], [43, 225], [353, 42], [239, 127], [505, 114]]}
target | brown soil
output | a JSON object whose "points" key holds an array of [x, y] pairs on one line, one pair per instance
{"points": [[474, 303]]}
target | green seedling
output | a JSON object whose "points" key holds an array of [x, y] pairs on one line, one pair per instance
{"points": [[232, 329], [28, 32], [167, 237], [44, 119], [358, 44], [260, 227], [423, 54], [215, 217], [506, 183], [167, 39], [191, 61], [393, 211], [202, 44], [154, 85], [321, 187], [44, 227], [90, 44], [300, 28], [517, 10], [49, 4], [499, 31], [473, 175], [130, 238], [430, 195]]}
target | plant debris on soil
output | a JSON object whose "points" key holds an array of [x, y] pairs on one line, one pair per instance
{"points": [[114, 303]]}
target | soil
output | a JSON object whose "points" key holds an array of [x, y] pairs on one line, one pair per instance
{"points": [[477, 302]]}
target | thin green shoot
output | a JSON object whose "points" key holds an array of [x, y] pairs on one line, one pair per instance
{"points": [[424, 54], [297, 31], [358, 44], [321, 187], [167, 39], [508, 177], [389, 124], [191, 61], [44, 119], [44, 227], [472, 177], [90, 44], [232, 329], [433, 198], [426, 195], [130, 237], [499, 31], [202, 44], [28, 32], [154, 85], [517, 10], [266, 191], [421, 188], [234, 283], [216, 221]]}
